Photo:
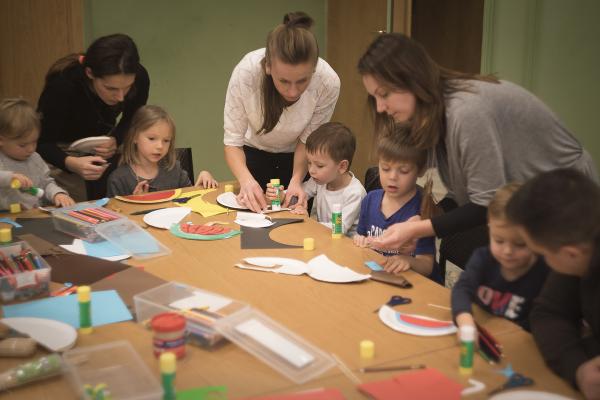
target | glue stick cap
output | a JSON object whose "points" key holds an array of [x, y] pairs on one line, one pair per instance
{"points": [[168, 363], [467, 333], [83, 293], [15, 184], [336, 208], [5, 235], [275, 181]]}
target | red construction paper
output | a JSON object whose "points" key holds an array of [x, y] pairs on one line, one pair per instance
{"points": [[426, 384], [424, 322], [317, 394]]}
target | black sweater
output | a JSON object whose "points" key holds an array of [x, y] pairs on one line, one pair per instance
{"points": [[556, 319], [71, 111]]}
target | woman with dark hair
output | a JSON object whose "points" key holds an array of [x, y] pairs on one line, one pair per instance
{"points": [[481, 133], [91, 94], [276, 97]]}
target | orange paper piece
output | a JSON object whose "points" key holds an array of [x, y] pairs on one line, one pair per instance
{"points": [[427, 384], [316, 394]]}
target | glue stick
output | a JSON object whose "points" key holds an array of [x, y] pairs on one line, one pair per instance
{"points": [[276, 202], [34, 191], [84, 298], [168, 366], [467, 348], [336, 221]]}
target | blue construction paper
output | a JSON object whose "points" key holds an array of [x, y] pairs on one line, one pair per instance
{"points": [[101, 249], [137, 242], [11, 222], [373, 266], [107, 308]]}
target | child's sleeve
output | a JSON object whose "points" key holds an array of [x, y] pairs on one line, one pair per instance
{"points": [[426, 245], [5, 178], [466, 287], [351, 208], [47, 183], [363, 223]]}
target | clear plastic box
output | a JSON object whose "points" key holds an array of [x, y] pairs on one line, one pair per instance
{"points": [[65, 221], [173, 296], [281, 349], [26, 282], [117, 367], [131, 239]]}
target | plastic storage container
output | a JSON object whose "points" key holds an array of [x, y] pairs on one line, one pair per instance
{"points": [[201, 309], [131, 239], [81, 220], [113, 367], [23, 273], [283, 350]]}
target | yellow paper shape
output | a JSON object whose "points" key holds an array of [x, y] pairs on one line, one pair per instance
{"points": [[200, 206]]}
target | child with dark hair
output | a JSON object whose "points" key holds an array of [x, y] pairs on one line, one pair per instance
{"points": [[558, 214], [503, 278], [330, 149], [399, 200]]}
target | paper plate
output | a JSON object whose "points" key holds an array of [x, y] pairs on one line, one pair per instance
{"points": [[53, 335], [528, 395], [229, 200], [176, 230], [279, 265], [323, 269], [412, 324], [87, 145], [254, 223], [152, 197], [166, 217]]}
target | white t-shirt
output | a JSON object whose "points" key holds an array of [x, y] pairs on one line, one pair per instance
{"points": [[243, 108], [349, 197]]}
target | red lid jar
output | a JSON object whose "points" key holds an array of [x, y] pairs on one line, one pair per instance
{"points": [[169, 333]]}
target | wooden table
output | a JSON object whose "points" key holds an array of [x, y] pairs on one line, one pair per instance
{"points": [[334, 317]]}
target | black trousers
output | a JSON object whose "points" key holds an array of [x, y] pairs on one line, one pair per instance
{"points": [[265, 166]]}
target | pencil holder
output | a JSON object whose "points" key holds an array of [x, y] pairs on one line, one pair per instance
{"points": [[23, 273]]}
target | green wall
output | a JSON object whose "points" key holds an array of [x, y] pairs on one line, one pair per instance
{"points": [[551, 48], [190, 48]]}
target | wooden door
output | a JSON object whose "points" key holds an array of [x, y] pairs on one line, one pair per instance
{"points": [[33, 35]]}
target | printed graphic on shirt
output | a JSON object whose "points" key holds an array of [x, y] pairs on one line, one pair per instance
{"points": [[376, 231], [504, 304]]}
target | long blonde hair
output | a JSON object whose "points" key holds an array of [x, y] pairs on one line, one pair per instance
{"points": [[144, 118]]}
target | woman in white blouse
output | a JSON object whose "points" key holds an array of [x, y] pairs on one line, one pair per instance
{"points": [[276, 97]]}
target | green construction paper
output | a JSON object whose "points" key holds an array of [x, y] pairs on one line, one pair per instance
{"points": [[203, 393]]}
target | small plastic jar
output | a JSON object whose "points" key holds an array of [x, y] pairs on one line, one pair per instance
{"points": [[169, 334]]}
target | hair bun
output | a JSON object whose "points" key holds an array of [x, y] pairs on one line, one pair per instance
{"points": [[298, 19]]}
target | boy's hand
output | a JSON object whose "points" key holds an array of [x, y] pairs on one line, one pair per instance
{"points": [[465, 319], [396, 264], [588, 378], [25, 182], [360, 240], [206, 180], [299, 210], [63, 200], [141, 188], [295, 189], [270, 193]]}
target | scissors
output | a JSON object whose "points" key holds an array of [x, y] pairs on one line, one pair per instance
{"points": [[516, 380], [396, 301]]}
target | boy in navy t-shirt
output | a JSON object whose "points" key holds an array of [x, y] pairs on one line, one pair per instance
{"points": [[400, 200], [503, 278]]}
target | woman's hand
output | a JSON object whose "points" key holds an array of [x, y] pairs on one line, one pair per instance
{"points": [[108, 149], [206, 180], [63, 200], [89, 168], [295, 189], [252, 196], [141, 188], [398, 237], [25, 182], [360, 240], [587, 376], [396, 264]]}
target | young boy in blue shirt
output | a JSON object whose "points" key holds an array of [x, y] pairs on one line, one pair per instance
{"points": [[399, 200], [558, 214], [503, 278]]}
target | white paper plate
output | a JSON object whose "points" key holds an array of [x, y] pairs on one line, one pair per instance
{"points": [[87, 145], [53, 335], [528, 395], [323, 269], [229, 200], [254, 223], [390, 317], [166, 217], [280, 265]]}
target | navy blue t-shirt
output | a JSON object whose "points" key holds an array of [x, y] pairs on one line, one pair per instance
{"points": [[372, 222], [482, 282]]}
